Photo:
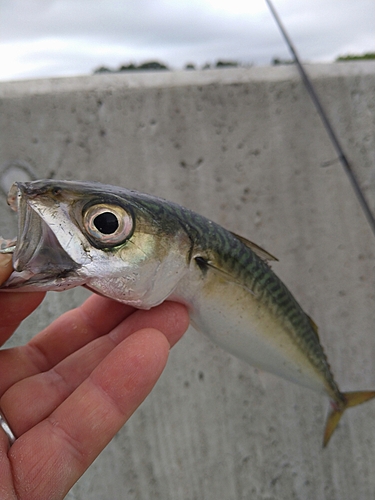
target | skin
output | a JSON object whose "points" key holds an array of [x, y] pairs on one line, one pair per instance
{"points": [[68, 391]]}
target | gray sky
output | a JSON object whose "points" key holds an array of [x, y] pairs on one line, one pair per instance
{"points": [[49, 38]]}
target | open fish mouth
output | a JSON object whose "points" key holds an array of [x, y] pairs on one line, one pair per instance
{"points": [[38, 257]]}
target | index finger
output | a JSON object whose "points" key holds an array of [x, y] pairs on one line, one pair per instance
{"points": [[14, 306]]}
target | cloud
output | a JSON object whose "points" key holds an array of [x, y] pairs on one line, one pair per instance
{"points": [[61, 37]]}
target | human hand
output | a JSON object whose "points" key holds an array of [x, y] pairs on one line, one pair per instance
{"points": [[68, 391]]}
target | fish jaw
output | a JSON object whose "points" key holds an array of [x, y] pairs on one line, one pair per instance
{"points": [[39, 261]]}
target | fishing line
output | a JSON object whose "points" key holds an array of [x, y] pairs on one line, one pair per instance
{"points": [[331, 133]]}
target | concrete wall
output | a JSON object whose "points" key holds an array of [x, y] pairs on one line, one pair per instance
{"points": [[246, 148]]}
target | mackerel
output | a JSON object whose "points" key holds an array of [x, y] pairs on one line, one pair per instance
{"points": [[142, 250]]}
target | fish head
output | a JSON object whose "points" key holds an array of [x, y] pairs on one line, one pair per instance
{"points": [[116, 242]]}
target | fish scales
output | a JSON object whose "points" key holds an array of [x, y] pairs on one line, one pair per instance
{"points": [[245, 266], [255, 274]]}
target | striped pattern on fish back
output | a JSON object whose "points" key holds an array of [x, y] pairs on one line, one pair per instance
{"points": [[223, 250], [235, 258]]}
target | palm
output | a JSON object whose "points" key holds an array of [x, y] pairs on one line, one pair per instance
{"points": [[71, 388]]}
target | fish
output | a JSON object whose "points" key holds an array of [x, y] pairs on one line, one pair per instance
{"points": [[141, 250]]}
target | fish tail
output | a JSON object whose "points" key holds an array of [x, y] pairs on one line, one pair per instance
{"points": [[349, 399]]}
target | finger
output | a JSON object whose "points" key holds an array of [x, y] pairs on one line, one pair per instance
{"points": [[171, 318], [6, 267], [96, 317], [6, 477], [66, 443], [34, 398], [14, 306]]}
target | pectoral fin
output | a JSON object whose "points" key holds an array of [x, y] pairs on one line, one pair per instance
{"points": [[205, 265]]}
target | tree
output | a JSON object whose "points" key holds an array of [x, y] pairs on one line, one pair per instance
{"points": [[352, 57]]}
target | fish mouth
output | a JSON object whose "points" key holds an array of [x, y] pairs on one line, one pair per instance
{"points": [[39, 261]]}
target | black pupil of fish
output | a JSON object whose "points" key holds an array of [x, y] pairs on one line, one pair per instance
{"points": [[106, 223]]}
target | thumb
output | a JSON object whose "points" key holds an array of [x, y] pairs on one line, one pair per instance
{"points": [[5, 266]]}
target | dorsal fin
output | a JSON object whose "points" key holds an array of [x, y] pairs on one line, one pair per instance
{"points": [[259, 251]]}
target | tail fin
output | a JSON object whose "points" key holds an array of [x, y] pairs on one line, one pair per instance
{"points": [[350, 399]]}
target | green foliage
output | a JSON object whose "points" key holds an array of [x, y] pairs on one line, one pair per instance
{"points": [[150, 65], [276, 61], [157, 66], [351, 57], [154, 65], [227, 64], [102, 69], [129, 67]]}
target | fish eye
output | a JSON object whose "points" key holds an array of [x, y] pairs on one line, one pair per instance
{"points": [[108, 224]]}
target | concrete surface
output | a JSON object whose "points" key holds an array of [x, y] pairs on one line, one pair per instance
{"points": [[246, 148]]}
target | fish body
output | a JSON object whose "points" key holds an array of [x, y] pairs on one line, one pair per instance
{"points": [[142, 250]]}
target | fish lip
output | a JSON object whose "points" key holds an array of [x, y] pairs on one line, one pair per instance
{"points": [[38, 257]]}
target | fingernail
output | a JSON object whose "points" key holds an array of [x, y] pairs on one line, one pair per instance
{"points": [[5, 259]]}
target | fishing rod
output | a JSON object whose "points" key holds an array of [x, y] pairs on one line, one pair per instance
{"points": [[331, 133]]}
